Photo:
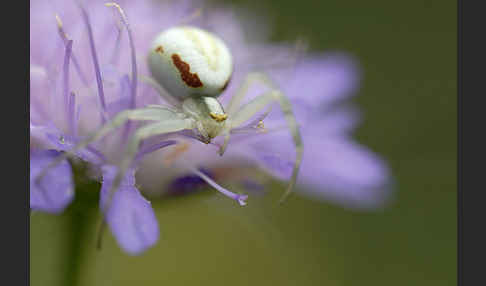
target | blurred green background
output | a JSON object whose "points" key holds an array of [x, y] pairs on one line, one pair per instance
{"points": [[407, 50]]}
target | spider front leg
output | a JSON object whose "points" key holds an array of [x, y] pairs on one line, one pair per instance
{"points": [[238, 117], [153, 114], [171, 124], [235, 102], [249, 80]]}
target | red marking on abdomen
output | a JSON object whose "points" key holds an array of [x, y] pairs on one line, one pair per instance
{"points": [[191, 79]]}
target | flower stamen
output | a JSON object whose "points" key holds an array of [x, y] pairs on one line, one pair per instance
{"points": [[60, 28], [239, 198], [65, 80], [71, 112], [116, 50], [260, 125], [65, 39], [96, 64], [134, 80]]}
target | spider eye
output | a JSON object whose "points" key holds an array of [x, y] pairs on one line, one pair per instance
{"points": [[188, 61], [218, 117]]}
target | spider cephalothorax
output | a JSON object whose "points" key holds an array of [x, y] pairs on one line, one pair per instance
{"points": [[209, 116]]}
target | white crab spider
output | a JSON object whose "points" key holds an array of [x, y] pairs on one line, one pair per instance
{"points": [[194, 66]]}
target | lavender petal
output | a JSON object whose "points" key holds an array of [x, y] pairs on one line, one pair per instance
{"points": [[130, 217], [66, 143], [340, 170], [56, 190]]}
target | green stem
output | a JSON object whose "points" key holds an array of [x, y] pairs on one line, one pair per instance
{"points": [[80, 229]]}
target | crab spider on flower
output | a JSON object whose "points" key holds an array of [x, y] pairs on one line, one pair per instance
{"points": [[194, 66], [84, 71]]}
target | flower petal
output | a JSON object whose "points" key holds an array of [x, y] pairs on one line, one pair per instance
{"points": [[66, 143], [340, 170], [56, 190], [333, 168], [131, 218], [275, 153], [275, 164], [327, 78]]}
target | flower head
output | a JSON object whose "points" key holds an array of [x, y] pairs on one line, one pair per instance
{"points": [[83, 70], [89, 62]]}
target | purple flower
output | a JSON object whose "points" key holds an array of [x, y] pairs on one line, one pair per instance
{"points": [[77, 84], [87, 64]]}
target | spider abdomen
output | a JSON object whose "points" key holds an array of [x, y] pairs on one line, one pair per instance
{"points": [[188, 61]]}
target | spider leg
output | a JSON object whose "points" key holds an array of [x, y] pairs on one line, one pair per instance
{"points": [[235, 103], [172, 124], [162, 93], [241, 116], [154, 114], [250, 79], [257, 104]]}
